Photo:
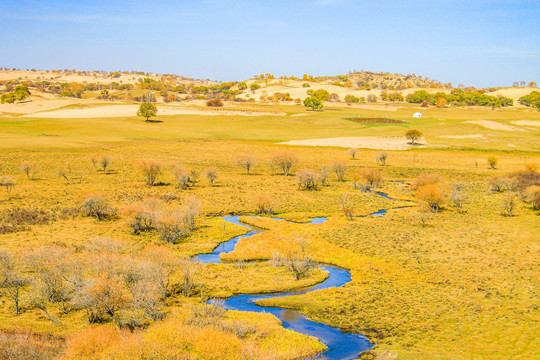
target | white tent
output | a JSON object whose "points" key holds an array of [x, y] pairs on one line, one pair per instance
{"points": [[417, 115]]}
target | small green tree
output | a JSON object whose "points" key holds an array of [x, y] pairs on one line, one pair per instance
{"points": [[147, 110], [313, 103]]}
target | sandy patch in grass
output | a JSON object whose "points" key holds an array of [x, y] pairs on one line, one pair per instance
{"points": [[527, 122], [131, 110], [493, 125], [472, 136], [363, 142]]}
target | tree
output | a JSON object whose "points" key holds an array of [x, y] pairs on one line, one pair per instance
{"points": [[147, 110], [98, 206], [307, 179], [284, 161], [104, 162], [11, 280], [313, 103], [8, 182], [150, 169], [352, 152], [339, 168], [29, 169], [381, 158], [433, 194], [492, 161], [413, 135], [246, 161], [211, 175]]}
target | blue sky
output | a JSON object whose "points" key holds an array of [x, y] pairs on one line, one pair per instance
{"points": [[480, 43]]}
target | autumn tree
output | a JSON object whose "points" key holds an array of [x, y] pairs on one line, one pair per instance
{"points": [[284, 161], [307, 179], [339, 168], [147, 110], [211, 175], [413, 135], [151, 170], [246, 161], [8, 182], [29, 170]]}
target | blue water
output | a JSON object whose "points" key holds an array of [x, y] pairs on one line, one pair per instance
{"points": [[340, 345]]}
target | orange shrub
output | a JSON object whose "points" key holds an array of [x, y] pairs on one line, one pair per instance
{"points": [[433, 194]]}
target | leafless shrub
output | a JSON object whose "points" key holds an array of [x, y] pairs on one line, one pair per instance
{"points": [[346, 206], [339, 168], [182, 177], [98, 206], [458, 198], [104, 162], [194, 176], [211, 174], [67, 173], [95, 160], [284, 161], [278, 260], [307, 179], [424, 214], [8, 182], [29, 170], [381, 158], [11, 279], [508, 205], [150, 170], [502, 184], [132, 319], [27, 346], [189, 272], [352, 152], [323, 175], [246, 161], [301, 267]]}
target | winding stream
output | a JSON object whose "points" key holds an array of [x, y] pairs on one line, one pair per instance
{"points": [[342, 346]]}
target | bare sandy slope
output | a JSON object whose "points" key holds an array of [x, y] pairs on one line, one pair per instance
{"points": [[131, 110], [527, 122], [36, 104], [513, 93], [363, 142], [493, 125], [86, 78]]}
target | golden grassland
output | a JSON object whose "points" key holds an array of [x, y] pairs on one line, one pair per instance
{"points": [[464, 286]]}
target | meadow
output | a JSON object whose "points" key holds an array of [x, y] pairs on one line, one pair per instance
{"points": [[425, 285]]}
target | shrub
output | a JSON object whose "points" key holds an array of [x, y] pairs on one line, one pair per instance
{"points": [[381, 158], [323, 175], [98, 206], [492, 161], [182, 176], [508, 205], [426, 179], [211, 175], [339, 168], [458, 198], [352, 152], [313, 103], [171, 227], [263, 204], [372, 98], [8, 182], [105, 161], [434, 195], [284, 161], [307, 179], [29, 170], [300, 267], [246, 161], [532, 195], [214, 103], [372, 177], [346, 206], [143, 216], [413, 135], [150, 170]]}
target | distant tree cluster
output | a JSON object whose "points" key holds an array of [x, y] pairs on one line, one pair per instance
{"points": [[459, 98], [531, 100], [19, 94]]}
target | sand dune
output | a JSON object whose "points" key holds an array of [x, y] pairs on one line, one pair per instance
{"points": [[363, 142]]}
